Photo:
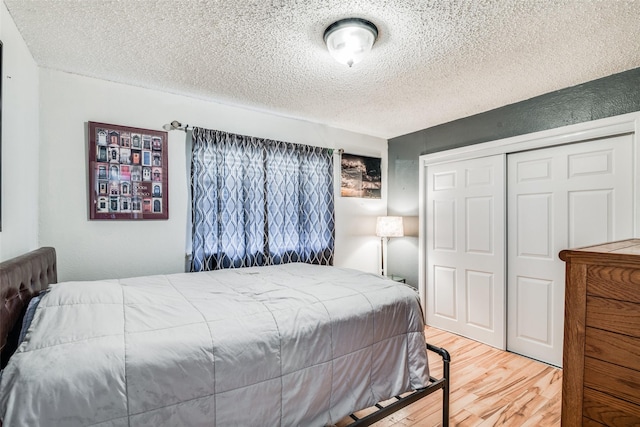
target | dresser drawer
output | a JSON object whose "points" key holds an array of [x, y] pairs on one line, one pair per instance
{"points": [[613, 315], [609, 410], [614, 282], [623, 383], [618, 349]]}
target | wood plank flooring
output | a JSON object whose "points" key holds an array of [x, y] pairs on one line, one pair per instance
{"points": [[489, 387]]}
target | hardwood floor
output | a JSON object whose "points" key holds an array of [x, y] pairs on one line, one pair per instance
{"points": [[489, 387]]}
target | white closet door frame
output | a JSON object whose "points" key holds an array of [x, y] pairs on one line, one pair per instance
{"points": [[611, 126]]}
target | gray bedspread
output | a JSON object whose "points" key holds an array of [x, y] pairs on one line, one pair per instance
{"points": [[288, 345]]}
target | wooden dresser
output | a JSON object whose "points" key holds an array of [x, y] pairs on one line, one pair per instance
{"points": [[601, 355]]}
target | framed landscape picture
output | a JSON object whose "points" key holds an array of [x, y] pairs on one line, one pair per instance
{"points": [[361, 176], [128, 173]]}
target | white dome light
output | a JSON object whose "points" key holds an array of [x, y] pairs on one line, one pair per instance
{"points": [[349, 40]]}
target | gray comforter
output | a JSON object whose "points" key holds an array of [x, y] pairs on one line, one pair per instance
{"points": [[288, 345]]}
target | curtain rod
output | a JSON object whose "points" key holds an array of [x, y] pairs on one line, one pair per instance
{"points": [[176, 125]]}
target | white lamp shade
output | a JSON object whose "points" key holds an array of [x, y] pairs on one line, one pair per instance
{"points": [[349, 40], [389, 226]]}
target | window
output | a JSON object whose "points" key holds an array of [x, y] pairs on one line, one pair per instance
{"points": [[259, 202]]}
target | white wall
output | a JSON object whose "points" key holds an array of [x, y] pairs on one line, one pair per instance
{"points": [[109, 249], [20, 135]]}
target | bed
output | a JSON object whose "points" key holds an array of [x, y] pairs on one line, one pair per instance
{"points": [[293, 344]]}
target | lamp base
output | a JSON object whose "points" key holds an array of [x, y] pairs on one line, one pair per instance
{"points": [[382, 256]]}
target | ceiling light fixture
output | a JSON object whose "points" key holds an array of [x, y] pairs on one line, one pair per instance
{"points": [[349, 40]]}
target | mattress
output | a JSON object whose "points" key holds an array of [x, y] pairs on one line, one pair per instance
{"points": [[288, 345]]}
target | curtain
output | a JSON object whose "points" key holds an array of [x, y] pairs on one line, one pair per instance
{"points": [[259, 202]]}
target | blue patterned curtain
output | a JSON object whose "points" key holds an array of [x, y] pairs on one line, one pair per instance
{"points": [[259, 202]]}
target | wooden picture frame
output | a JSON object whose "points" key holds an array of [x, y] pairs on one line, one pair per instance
{"points": [[128, 173]]}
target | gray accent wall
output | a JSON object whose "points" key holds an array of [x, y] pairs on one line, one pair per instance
{"points": [[606, 97]]}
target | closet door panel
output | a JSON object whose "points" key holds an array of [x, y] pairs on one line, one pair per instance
{"points": [[567, 196], [465, 249], [534, 300], [479, 225], [445, 298], [597, 226], [444, 225], [534, 217], [479, 299]]}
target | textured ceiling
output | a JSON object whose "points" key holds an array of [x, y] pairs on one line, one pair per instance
{"points": [[434, 60]]}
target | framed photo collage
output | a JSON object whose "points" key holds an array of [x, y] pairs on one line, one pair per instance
{"points": [[128, 173]]}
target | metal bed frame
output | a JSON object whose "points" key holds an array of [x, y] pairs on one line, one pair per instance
{"points": [[435, 384]]}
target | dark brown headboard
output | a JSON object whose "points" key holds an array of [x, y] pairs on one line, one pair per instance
{"points": [[20, 279]]}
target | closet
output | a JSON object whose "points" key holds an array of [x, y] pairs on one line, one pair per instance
{"points": [[495, 216]]}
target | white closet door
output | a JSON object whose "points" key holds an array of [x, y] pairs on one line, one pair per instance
{"points": [[465, 249], [558, 198]]}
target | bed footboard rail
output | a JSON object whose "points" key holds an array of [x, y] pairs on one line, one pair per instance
{"points": [[435, 384]]}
